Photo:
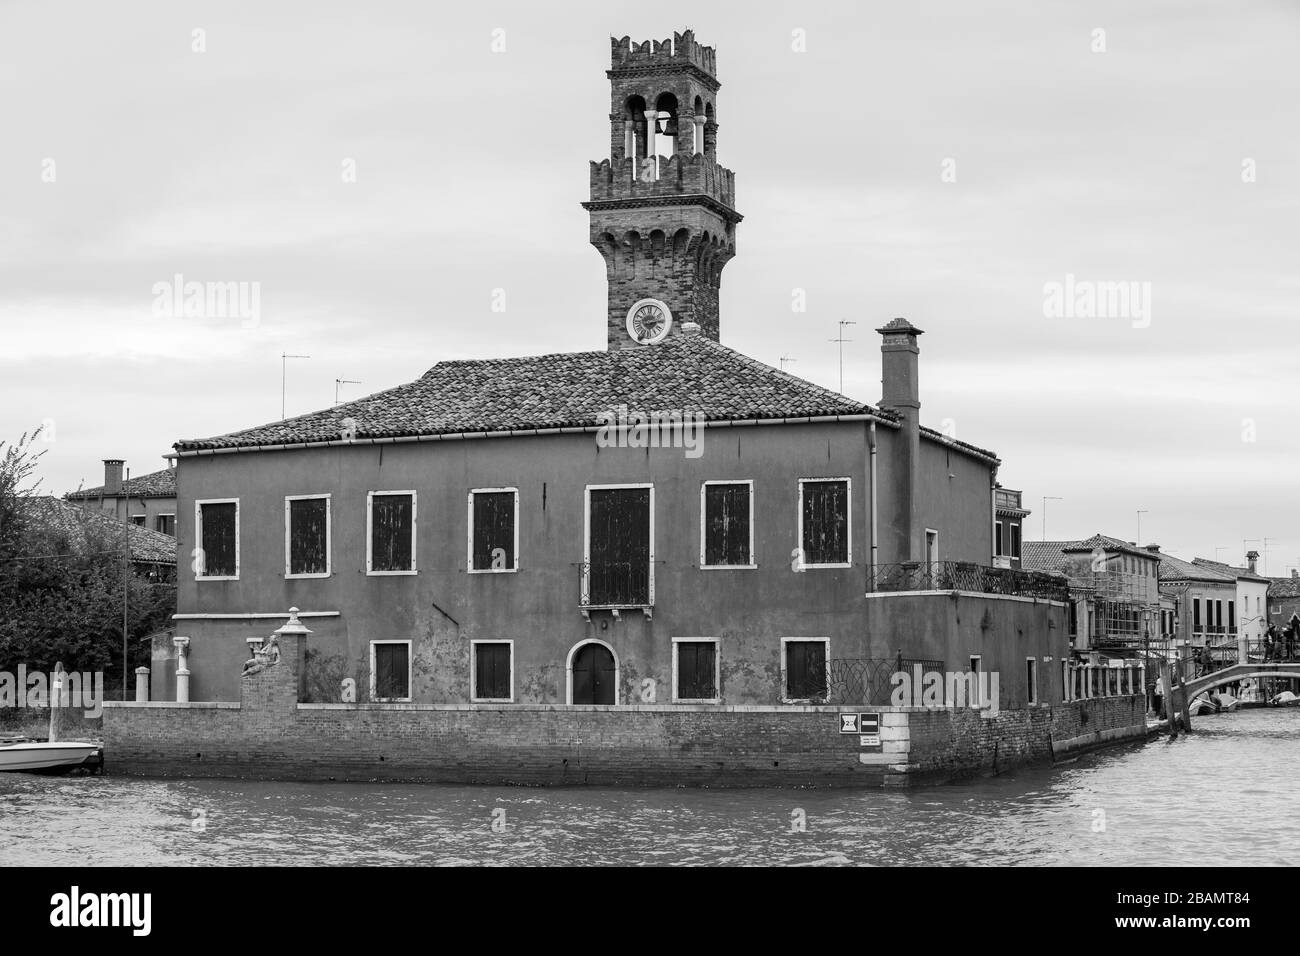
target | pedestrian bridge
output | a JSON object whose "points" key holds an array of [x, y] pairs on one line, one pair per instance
{"points": [[1199, 685]]}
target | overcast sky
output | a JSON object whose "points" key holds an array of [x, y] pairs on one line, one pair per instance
{"points": [[126, 157]]}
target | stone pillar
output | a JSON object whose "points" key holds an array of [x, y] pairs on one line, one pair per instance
{"points": [[182, 669], [1243, 647], [629, 140], [141, 685], [651, 119], [699, 134]]}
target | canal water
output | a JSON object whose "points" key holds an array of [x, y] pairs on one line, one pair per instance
{"points": [[1225, 794]]}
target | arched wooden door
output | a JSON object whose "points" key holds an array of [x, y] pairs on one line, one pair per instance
{"points": [[593, 675]]}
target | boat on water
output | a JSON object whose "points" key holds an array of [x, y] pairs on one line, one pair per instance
{"points": [[1214, 704], [1284, 699], [19, 753]]}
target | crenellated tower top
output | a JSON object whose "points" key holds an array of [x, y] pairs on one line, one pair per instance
{"points": [[662, 208]]}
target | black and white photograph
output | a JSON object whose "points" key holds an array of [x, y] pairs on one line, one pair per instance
{"points": [[695, 435]]}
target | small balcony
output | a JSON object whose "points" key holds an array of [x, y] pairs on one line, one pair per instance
{"points": [[965, 576], [616, 586]]}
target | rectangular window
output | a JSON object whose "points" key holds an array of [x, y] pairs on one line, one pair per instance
{"points": [[619, 547], [493, 529], [1074, 618], [390, 670], [1000, 548], [932, 551], [1232, 615], [1031, 680], [727, 524], [493, 671], [217, 532], [804, 662], [1015, 540], [1218, 614], [307, 536], [165, 524], [390, 519], [824, 528], [138, 520], [695, 669], [1196, 614]]}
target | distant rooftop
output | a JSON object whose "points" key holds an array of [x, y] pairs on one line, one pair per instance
{"points": [[158, 484]]}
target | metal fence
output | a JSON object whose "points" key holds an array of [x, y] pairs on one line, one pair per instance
{"points": [[966, 576], [869, 680]]}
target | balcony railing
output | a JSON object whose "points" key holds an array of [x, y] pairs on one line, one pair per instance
{"points": [[615, 584], [966, 576]]}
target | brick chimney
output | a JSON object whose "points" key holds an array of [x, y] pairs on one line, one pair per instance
{"points": [[901, 394], [1252, 557], [113, 476]]}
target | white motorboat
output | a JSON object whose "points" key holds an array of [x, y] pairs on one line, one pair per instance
{"points": [[22, 753]]}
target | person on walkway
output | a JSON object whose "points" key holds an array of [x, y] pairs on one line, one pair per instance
{"points": [[1160, 697]]}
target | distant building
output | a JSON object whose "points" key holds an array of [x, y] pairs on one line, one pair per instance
{"points": [[1008, 526], [148, 501], [1115, 602], [1283, 599], [1206, 598], [1248, 615], [153, 554]]}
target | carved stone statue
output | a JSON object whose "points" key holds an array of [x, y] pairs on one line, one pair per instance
{"points": [[268, 655]]}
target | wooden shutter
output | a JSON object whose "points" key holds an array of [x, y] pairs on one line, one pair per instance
{"points": [[492, 671], [696, 668], [494, 527], [619, 547], [392, 671], [309, 536], [825, 522], [805, 670], [218, 544], [390, 532], [726, 524]]}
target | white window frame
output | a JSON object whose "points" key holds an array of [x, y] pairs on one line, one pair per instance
{"points": [[198, 537], [469, 538], [978, 660], [931, 565], [410, 668], [785, 677], [998, 550], [848, 500], [370, 533], [329, 536], [586, 542], [753, 564], [1031, 686], [142, 523], [473, 673], [165, 514], [717, 670]]}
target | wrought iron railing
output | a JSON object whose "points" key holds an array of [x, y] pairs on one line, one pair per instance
{"points": [[869, 680], [615, 584], [966, 576]]}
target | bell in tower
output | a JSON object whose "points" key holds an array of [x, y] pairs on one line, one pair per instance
{"points": [[662, 210]]}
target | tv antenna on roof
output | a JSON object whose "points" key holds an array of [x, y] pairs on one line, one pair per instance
{"points": [[841, 339], [341, 381]]}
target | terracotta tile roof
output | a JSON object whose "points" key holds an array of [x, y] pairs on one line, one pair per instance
{"points": [[1176, 569], [159, 484], [1044, 555], [1107, 543], [686, 373], [147, 546], [1284, 587], [1230, 569]]}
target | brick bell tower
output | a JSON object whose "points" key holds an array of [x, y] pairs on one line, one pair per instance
{"points": [[662, 210]]}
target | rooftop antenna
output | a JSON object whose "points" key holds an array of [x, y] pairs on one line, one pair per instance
{"points": [[785, 358], [284, 368], [841, 339], [341, 381], [1046, 499], [1140, 514], [1224, 547]]}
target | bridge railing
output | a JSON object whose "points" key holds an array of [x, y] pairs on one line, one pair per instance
{"points": [[1086, 681]]}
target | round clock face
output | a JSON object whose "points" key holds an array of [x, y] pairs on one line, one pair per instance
{"points": [[648, 321]]}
